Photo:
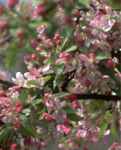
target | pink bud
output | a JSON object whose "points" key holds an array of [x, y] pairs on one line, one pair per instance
{"points": [[1, 10], [18, 107], [13, 146], [3, 24], [110, 64], [75, 104], [40, 9], [65, 56], [48, 117], [11, 3]]}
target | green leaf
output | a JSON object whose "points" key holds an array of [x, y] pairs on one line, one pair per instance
{"points": [[37, 102], [84, 2], [64, 42], [108, 116], [72, 48], [103, 128], [27, 129], [115, 4], [61, 94], [23, 95], [26, 112], [73, 117], [95, 106], [67, 32], [4, 134], [47, 78], [59, 69], [102, 56], [32, 83], [114, 132], [10, 59], [71, 114]]}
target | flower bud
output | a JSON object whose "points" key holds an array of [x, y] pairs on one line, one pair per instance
{"points": [[110, 64], [40, 9], [13, 146], [11, 3], [3, 25], [1, 10]]}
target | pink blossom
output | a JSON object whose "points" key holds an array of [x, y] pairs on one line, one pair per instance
{"points": [[81, 133], [2, 93], [64, 57], [57, 39], [33, 74], [93, 135], [40, 9], [34, 43], [48, 117], [110, 64], [16, 123], [115, 146], [75, 104], [19, 80], [63, 129], [102, 21], [18, 106], [13, 146], [49, 101], [3, 24]]}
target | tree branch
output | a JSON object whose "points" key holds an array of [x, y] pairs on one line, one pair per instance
{"points": [[98, 97], [94, 96]]}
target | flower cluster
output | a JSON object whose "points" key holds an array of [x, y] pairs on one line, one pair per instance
{"points": [[71, 52]]}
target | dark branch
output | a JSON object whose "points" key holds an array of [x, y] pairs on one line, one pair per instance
{"points": [[5, 39], [7, 84], [99, 97], [88, 9]]}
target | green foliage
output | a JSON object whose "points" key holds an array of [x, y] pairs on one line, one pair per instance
{"points": [[102, 56], [84, 3], [5, 134], [43, 98], [10, 59], [115, 4], [111, 74], [71, 114], [72, 48], [24, 95], [103, 128], [27, 128]]}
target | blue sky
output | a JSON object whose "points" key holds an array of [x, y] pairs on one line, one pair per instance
{"points": [[2, 1]]}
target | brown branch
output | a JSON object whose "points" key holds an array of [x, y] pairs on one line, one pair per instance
{"points": [[98, 97], [7, 84], [94, 96], [5, 39], [88, 9]]}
